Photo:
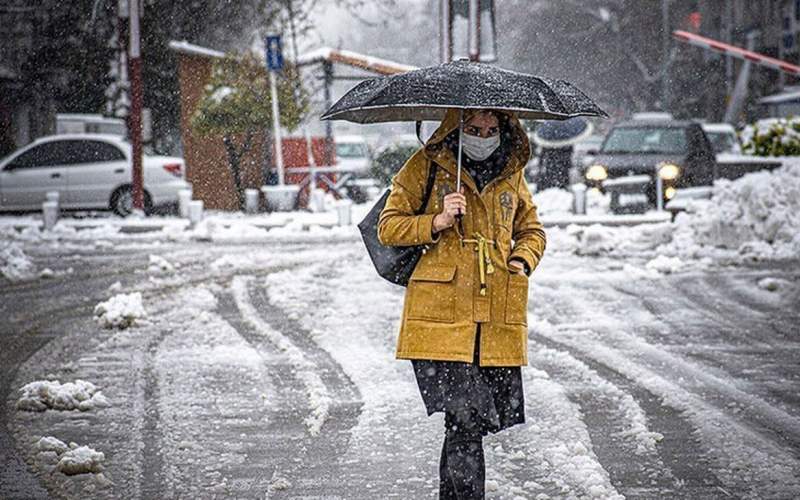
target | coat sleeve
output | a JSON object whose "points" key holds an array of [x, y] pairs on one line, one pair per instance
{"points": [[397, 224], [528, 233]]}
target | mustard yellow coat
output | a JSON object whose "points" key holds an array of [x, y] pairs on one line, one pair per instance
{"points": [[443, 300]]}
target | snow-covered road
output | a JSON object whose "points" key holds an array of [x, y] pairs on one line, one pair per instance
{"points": [[268, 370]]}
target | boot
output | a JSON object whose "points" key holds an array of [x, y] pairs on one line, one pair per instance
{"points": [[466, 466]]}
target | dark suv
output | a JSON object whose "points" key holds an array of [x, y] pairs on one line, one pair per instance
{"points": [[635, 152]]}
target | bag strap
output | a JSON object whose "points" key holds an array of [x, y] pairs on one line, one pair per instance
{"points": [[428, 187]]}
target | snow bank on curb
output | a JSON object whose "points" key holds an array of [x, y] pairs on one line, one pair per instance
{"points": [[51, 394], [72, 459], [120, 311], [754, 217], [757, 215], [553, 200], [14, 263]]}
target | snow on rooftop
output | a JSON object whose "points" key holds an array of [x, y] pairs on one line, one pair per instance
{"points": [[185, 47], [355, 59]]}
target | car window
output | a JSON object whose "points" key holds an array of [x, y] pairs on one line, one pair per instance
{"points": [[91, 152], [351, 150], [646, 140], [71, 152], [45, 155], [722, 142]]}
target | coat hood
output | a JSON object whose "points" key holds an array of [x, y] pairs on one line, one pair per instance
{"points": [[519, 154]]}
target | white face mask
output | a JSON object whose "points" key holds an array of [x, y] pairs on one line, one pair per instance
{"points": [[479, 148]]}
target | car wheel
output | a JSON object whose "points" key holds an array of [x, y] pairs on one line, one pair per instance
{"points": [[122, 201]]}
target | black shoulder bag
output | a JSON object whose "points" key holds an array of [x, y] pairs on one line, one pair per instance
{"points": [[394, 263]]}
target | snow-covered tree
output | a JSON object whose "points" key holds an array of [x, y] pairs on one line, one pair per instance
{"points": [[237, 104]]}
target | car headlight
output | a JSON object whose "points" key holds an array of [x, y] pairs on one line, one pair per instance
{"points": [[596, 173], [669, 171], [669, 193]]}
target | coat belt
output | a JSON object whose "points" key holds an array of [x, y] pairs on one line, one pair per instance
{"points": [[484, 258]]}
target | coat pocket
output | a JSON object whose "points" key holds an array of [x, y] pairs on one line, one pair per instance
{"points": [[517, 299], [432, 293]]}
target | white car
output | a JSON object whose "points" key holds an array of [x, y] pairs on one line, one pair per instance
{"points": [[90, 171], [352, 153]]}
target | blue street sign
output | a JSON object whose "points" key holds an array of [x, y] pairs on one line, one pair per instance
{"points": [[274, 53]]}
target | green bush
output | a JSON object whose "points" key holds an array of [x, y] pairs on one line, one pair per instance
{"points": [[389, 161], [772, 137]]}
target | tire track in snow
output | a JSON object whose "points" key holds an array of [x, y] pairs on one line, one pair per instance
{"points": [[317, 392], [624, 420], [743, 458], [315, 459], [740, 396]]}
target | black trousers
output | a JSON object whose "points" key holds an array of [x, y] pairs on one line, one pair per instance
{"points": [[462, 468]]}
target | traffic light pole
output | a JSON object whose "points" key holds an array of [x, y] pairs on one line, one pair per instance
{"points": [[135, 118]]}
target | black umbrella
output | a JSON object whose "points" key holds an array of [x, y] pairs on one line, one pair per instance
{"points": [[562, 133], [427, 93]]}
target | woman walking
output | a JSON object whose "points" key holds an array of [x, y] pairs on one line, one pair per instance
{"points": [[464, 321]]}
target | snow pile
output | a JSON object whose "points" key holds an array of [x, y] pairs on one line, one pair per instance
{"points": [[664, 264], [72, 459], [51, 394], [159, 264], [754, 217], [120, 311], [81, 460], [553, 201], [758, 215], [14, 264]]}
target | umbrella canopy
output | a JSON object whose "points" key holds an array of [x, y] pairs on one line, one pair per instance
{"points": [[560, 134], [426, 93]]}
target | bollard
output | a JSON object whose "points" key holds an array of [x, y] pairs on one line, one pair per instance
{"points": [[579, 198], [53, 196], [50, 214], [184, 197], [317, 200], [344, 212], [251, 201], [659, 192], [195, 211]]}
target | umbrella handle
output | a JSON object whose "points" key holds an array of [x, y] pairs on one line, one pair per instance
{"points": [[459, 215], [460, 227]]}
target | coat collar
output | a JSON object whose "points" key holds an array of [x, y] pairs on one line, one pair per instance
{"points": [[435, 150]]}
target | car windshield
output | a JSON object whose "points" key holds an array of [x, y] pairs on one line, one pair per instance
{"points": [[722, 142], [351, 150], [645, 140]]}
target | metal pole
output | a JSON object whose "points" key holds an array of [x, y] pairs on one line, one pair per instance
{"points": [[444, 28], [460, 216], [312, 163], [665, 49], [135, 119], [276, 126], [729, 40], [473, 32], [327, 67]]}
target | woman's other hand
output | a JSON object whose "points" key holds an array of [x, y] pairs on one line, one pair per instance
{"points": [[453, 202], [515, 266]]}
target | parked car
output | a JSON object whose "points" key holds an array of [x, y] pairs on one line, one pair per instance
{"points": [[90, 171], [723, 138], [635, 152], [352, 153]]}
